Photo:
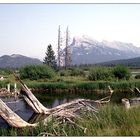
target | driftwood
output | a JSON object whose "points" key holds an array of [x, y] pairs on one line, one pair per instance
{"points": [[4, 91], [12, 118], [132, 102], [64, 112], [126, 103], [31, 99], [135, 90], [39, 108]]}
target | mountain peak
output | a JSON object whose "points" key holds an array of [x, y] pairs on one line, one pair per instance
{"points": [[16, 55], [86, 50], [83, 40]]}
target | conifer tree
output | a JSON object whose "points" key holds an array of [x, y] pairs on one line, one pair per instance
{"points": [[50, 57]]}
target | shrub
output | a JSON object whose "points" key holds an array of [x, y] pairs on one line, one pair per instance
{"points": [[137, 76], [65, 72], [77, 72], [34, 72], [100, 73], [5, 71], [121, 72]]}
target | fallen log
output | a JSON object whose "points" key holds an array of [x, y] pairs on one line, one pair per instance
{"points": [[31, 99], [137, 89], [4, 92], [12, 118], [126, 103], [67, 111], [39, 108]]}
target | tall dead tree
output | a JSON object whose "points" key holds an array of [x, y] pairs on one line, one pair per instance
{"points": [[59, 48], [68, 59]]}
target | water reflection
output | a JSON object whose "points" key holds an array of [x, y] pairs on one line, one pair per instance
{"points": [[36, 118], [51, 100], [19, 106]]}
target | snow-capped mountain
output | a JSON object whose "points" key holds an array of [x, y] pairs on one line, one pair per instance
{"points": [[86, 50]]}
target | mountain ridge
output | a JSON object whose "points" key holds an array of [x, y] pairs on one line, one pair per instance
{"points": [[17, 61], [85, 50], [90, 51], [133, 62]]}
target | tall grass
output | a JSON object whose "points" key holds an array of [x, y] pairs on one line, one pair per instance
{"points": [[113, 120], [85, 84], [75, 86]]}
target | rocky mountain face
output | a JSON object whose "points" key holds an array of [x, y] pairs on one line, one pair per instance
{"points": [[88, 51], [16, 61], [85, 50]]}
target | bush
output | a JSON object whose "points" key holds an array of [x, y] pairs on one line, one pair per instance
{"points": [[65, 72], [121, 72], [77, 72], [34, 72], [100, 73], [5, 71], [137, 76]]}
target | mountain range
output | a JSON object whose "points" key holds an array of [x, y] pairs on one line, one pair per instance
{"points": [[86, 50], [16, 61]]}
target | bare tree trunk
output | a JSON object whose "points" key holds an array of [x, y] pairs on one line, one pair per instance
{"points": [[66, 111], [31, 99], [12, 119]]}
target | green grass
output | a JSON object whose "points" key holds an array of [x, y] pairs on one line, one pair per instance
{"points": [[114, 120], [73, 82], [87, 85], [84, 84]]}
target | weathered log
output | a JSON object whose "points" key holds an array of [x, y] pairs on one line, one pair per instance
{"points": [[4, 92], [126, 103], [35, 118], [134, 90], [137, 89], [12, 119], [39, 108], [132, 102], [68, 110], [31, 99]]}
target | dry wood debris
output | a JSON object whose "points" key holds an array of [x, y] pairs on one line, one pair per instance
{"points": [[65, 112]]}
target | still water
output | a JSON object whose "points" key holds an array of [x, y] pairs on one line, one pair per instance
{"points": [[49, 100]]}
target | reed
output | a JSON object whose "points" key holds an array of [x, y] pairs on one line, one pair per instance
{"points": [[113, 120], [84, 84]]}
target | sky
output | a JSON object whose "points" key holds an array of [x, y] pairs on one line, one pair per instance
{"points": [[28, 29]]}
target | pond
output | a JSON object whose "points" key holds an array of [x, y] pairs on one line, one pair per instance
{"points": [[51, 100]]}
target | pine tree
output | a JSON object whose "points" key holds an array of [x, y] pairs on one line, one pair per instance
{"points": [[50, 57]]}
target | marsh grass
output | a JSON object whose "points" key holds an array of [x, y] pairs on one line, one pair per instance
{"points": [[113, 120], [121, 85], [73, 82]]}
